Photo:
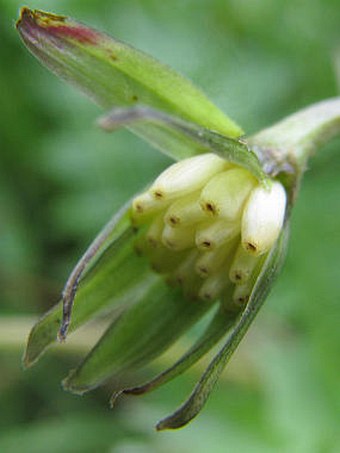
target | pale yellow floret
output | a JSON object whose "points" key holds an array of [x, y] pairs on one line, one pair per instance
{"points": [[209, 236], [263, 218], [211, 261], [145, 205], [178, 238], [225, 194], [185, 211], [242, 267], [242, 293], [214, 285], [155, 231], [187, 176], [185, 270]]}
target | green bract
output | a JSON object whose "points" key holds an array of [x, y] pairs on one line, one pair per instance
{"points": [[207, 238]]}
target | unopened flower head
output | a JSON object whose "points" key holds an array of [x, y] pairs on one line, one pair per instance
{"points": [[208, 224], [215, 229]]}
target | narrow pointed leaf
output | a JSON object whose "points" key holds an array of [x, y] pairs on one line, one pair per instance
{"points": [[208, 380], [114, 73], [218, 327], [204, 140], [97, 290], [145, 331]]}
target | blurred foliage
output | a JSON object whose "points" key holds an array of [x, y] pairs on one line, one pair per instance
{"points": [[61, 179]]}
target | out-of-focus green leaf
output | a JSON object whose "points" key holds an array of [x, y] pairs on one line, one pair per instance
{"points": [[114, 73], [205, 140], [76, 433], [141, 334], [202, 390]]}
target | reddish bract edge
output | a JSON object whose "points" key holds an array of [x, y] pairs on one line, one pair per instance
{"points": [[78, 33], [33, 21]]}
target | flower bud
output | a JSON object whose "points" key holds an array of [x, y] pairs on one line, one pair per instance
{"points": [[211, 261], [209, 236], [214, 285], [187, 176], [184, 272], [242, 293], [243, 266], [155, 231], [177, 238], [185, 211], [144, 206], [225, 194], [263, 218]]}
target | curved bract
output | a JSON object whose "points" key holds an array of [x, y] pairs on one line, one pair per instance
{"points": [[114, 73]]}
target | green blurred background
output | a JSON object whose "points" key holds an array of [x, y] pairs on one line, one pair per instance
{"points": [[61, 179]]}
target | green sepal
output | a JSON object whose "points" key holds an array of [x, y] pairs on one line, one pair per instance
{"points": [[222, 321], [203, 388], [202, 140], [97, 290], [140, 335], [113, 73]]}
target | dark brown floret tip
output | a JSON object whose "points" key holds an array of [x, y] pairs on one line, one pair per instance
{"points": [[210, 208], [251, 247], [174, 220], [242, 300]]}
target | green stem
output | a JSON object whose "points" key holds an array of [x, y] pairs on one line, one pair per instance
{"points": [[293, 140]]}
